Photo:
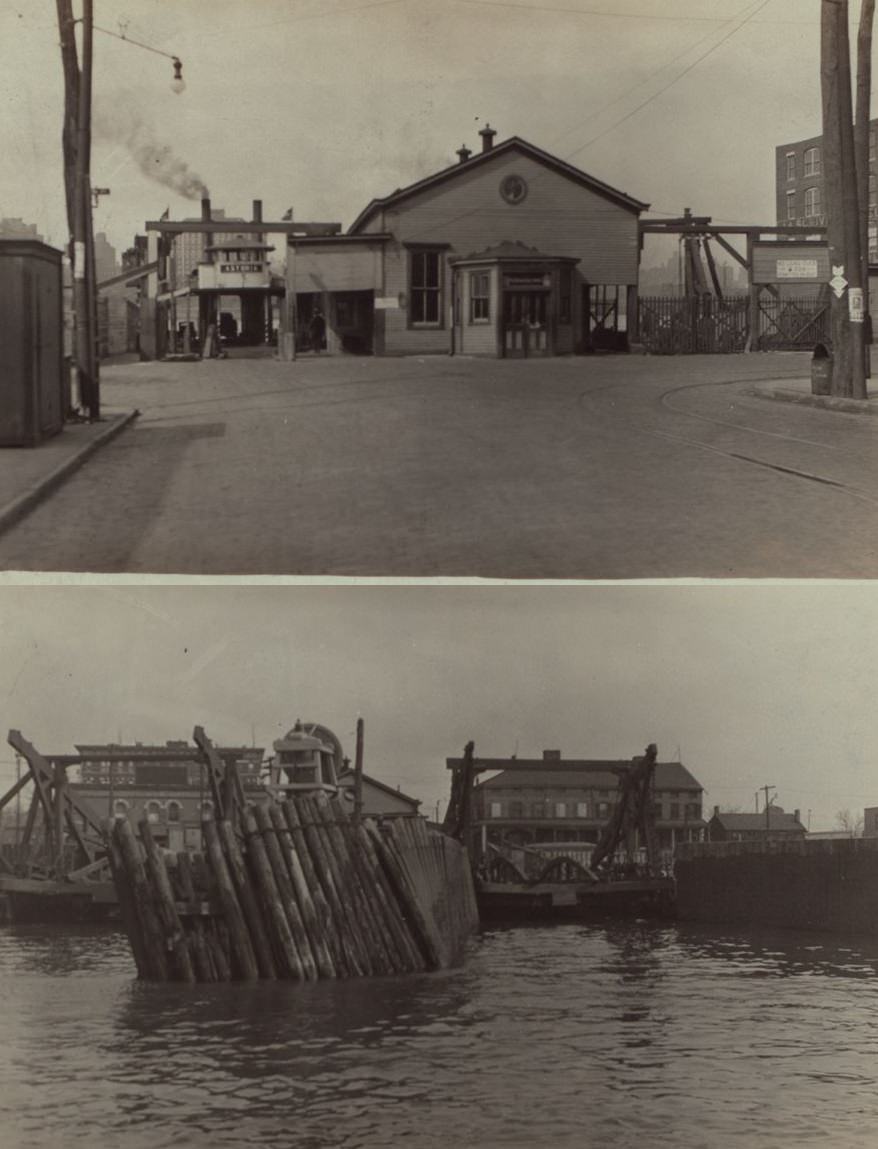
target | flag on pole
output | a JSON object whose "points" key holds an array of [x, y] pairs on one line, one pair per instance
{"points": [[166, 214], [288, 214]]}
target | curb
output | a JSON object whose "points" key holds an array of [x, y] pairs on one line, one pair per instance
{"points": [[826, 402], [22, 505]]}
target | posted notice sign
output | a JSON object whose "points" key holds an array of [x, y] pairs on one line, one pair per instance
{"points": [[797, 269], [855, 305]]}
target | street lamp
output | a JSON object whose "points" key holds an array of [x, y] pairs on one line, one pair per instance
{"points": [[78, 96]]}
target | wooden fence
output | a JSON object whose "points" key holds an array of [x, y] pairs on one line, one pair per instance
{"points": [[294, 890]]}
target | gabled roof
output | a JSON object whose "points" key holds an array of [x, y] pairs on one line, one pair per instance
{"points": [[514, 143], [346, 777], [513, 251], [778, 820], [594, 773]]}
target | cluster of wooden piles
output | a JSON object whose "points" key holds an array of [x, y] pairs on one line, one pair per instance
{"points": [[294, 889]]}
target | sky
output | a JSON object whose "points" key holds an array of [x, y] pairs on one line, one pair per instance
{"points": [[750, 684], [321, 105]]}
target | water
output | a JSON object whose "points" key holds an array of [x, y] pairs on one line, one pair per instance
{"points": [[573, 1036]]}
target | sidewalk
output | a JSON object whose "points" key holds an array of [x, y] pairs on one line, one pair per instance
{"points": [[799, 391], [29, 474]]}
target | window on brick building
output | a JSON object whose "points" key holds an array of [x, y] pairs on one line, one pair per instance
{"points": [[813, 203], [582, 809], [791, 205], [812, 162], [791, 165]]}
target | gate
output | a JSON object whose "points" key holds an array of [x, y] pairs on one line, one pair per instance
{"points": [[693, 325], [793, 324]]}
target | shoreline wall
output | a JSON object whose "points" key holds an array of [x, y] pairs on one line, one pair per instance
{"points": [[829, 885]]}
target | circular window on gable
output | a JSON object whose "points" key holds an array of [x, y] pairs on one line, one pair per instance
{"points": [[513, 189]]}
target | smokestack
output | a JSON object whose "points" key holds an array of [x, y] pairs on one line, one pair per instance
{"points": [[257, 211], [463, 153], [716, 811], [487, 133], [205, 208]]}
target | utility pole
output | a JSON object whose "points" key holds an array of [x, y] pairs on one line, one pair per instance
{"points": [[840, 189], [765, 790], [861, 153], [77, 182]]}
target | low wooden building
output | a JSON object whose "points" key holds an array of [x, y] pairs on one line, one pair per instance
{"points": [[773, 824], [509, 252]]}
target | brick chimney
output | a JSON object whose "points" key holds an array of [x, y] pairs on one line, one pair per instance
{"points": [[257, 211], [487, 133], [463, 153], [205, 208], [551, 755], [716, 811]]}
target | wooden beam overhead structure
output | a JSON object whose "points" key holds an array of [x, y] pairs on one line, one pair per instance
{"points": [[240, 227]]}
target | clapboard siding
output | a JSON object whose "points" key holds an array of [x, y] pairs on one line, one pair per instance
{"points": [[559, 217], [464, 213], [336, 269]]}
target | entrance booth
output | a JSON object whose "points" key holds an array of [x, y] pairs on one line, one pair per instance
{"points": [[514, 302], [238, 268]]}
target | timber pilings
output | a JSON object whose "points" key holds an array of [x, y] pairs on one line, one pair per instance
{"points": [[295, 890]]}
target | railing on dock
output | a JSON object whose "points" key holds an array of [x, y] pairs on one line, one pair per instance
{"points": [[294, 890]]}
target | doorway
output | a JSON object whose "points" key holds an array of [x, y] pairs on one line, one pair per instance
{"points": [[525, 323]]}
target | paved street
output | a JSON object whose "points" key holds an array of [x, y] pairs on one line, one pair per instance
{"points": [[616, 467]]}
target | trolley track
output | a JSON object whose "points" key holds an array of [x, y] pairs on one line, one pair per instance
{"points": [[664, 400]]}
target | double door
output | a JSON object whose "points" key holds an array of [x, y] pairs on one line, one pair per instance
{"points": [[526, 326]]}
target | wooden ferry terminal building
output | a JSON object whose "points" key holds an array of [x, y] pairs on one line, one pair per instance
{"points": [[509, 252]]}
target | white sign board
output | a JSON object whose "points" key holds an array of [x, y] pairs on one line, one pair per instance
{"points": [[386, 302], [855, 305], [797, 269]]}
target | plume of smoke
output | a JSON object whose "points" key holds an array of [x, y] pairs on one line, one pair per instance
{"points": [[159, 162], [119, 124]]}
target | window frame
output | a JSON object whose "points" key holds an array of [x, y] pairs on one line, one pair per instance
{"points": [[421, 253], [813, 162], [791, 206], [480, 297], [791, 175], [815, 194]]}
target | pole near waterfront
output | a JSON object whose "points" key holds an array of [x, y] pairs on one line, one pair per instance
{"points": [[765, 789]]}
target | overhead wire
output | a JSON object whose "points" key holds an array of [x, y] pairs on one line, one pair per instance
{"points": [[753, 11]]}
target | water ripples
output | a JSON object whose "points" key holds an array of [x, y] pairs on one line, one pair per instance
{"points": [[570, 1036]]}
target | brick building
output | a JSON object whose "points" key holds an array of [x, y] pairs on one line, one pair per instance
{"points": [[799, 185], [166, 784]]}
